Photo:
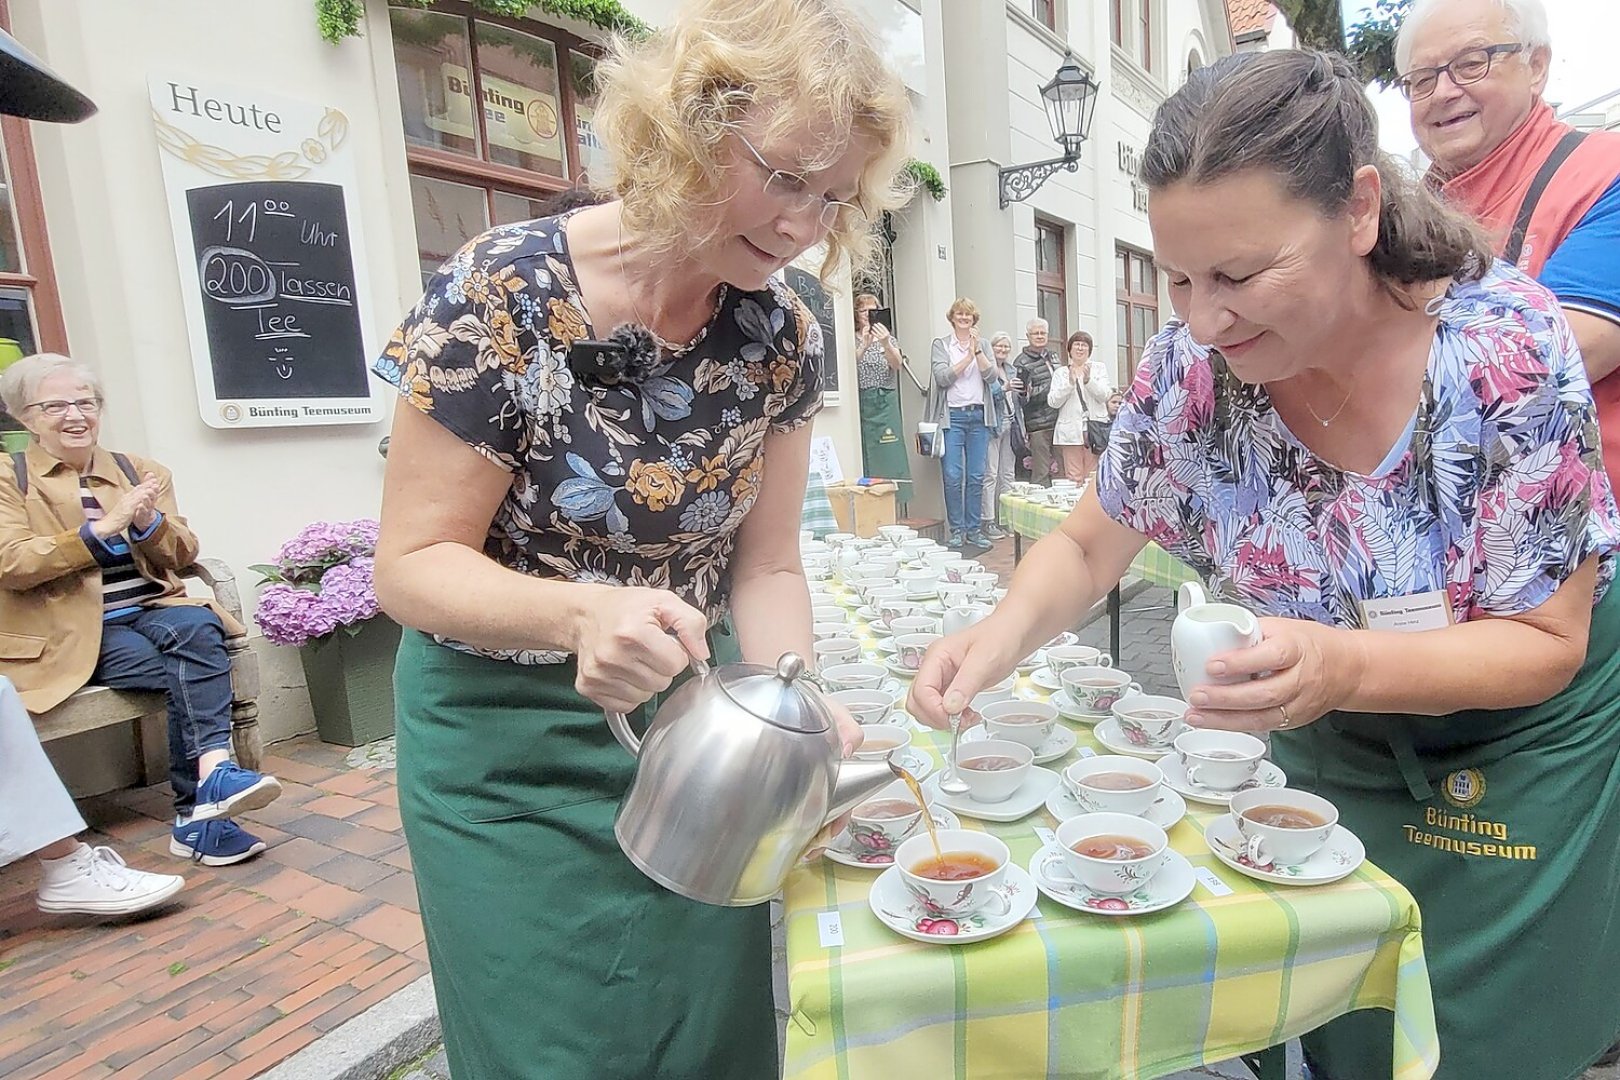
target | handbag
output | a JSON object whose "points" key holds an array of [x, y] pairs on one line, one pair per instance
{"points": [[930, 440], [1097, 433]]}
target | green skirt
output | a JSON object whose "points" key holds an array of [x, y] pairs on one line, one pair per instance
{"points": [[1505, 825], [883, 444], [552, 956]]}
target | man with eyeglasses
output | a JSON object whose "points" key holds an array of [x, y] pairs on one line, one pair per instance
{"points": [[1474, 72]]}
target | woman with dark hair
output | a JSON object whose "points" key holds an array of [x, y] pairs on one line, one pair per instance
{"points": [[1079, 393], [877, 367], [1367, 432]]}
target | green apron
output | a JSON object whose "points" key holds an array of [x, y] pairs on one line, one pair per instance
{"points": [[883, 445], [552, 956], [1505, 825]]}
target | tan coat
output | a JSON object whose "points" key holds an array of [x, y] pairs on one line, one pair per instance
{"points": [[50, 583]]}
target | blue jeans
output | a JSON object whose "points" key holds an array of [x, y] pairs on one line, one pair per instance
{"points": [[967, 448], [181, 651]]}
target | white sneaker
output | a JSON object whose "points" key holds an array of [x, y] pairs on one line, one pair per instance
{"points": [[96, 881]]}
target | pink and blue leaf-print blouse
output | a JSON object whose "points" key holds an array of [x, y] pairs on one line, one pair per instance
{"points": [[1496, 493]]}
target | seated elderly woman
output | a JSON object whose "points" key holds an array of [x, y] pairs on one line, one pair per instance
{"points": [[90, 548]]}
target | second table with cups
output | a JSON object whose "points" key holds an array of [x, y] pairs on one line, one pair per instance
{"points": [[1059, 960]]}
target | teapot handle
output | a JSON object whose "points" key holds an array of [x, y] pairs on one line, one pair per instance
{"points": [[1190, 594], [619, 723]]}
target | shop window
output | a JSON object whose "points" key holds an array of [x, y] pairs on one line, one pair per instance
{"points": [[1051, 278], [1136, 305]]}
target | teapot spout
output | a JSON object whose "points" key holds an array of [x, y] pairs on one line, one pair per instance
{"points": [[858, 781]]}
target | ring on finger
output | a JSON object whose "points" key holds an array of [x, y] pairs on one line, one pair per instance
{"points": [[1286, 719]]}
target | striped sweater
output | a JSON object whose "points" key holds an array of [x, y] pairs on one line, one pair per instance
{"points": [[123, 587]]}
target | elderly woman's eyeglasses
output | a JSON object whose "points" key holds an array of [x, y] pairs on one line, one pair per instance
{"points": [[793, 191], [1467, 67], [56, 409]]}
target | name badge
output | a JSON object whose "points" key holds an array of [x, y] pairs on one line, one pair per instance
{"points": [[1408, 614]]}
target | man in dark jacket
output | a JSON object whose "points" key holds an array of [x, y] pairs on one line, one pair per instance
{"points": [[1034, 369]]}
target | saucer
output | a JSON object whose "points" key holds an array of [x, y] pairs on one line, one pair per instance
{"points": [[901, 912], [1170, 886], [1060, 742], [1038, 784], [885, 642], [838, 851], [896, 670], [917, 763], [1269, 776], [1111, 735], [1069, 709], [1336, 859], [1047, 679], [1167, 810]]}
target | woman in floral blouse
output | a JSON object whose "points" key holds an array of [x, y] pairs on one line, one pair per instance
{"points": [[562, 533], [1383, 443]]}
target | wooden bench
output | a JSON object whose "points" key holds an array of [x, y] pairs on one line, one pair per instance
{"points": [[95, 707]]}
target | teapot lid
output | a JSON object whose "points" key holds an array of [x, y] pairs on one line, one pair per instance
{"points": [[773, 694]]}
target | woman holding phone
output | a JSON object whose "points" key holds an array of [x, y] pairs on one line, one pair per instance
{"points": [[877, 368]]}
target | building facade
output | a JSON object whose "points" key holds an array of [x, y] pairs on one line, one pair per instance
{"points": [[232, 237]]}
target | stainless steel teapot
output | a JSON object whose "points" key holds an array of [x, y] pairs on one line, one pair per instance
{"points": [[737, 773]]}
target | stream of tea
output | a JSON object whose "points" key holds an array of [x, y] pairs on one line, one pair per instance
{"points": [[916, 793]]}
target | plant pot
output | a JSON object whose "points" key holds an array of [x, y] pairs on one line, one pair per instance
{"points": [[351, 682]]}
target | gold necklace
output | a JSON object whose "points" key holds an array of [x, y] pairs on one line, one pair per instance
{"points": [[666, 346], [1336, 412]]}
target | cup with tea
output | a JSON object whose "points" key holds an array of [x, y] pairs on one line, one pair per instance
{"points": [[1001, 691], [1219, 760], [1111, 854], [1027, 722], [909, 649], [1151, 721], [968, 874], [879, 825], [993, 768], [866, 706], [1114, 784], [1061, 658], [837, 650], [860, 676], [1095, 688], [881, 740], [1282, 827]]}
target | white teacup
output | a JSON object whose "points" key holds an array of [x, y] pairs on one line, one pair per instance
{"points": [[956, 569], [837, 650], [909, 649], [896, 533], [827, 613], [876, 590], [1086, 780], [914, 546], [922, 587], [880, 566], [1219, 760], [938, 560], [1095, 689], [889, 609], [838, 539], [993, 785], [1269, 841], [806, 536], [1027, 722], [825, 631], [1001, 691], [1151, 721], [882, 823], [983, 582], [882, 740], [915, 624], [853, 676], [1105, 875], [866, 706], [954, 593], [1061, 658], [963, 896]]}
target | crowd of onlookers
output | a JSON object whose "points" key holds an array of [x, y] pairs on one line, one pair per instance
{"points": [[996, 415]]}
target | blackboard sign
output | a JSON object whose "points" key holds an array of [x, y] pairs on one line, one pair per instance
{"points": [[809, 288], [278, 290]]}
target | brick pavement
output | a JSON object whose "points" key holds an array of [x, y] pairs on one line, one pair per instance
{"points": [[255, 962]]}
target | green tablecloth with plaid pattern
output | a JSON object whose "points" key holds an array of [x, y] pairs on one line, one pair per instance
{"points": [[1072, 994], [817, 512], [1032, 521]]}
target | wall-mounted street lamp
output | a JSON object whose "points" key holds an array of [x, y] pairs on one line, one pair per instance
{"points": [[1070, 100]]}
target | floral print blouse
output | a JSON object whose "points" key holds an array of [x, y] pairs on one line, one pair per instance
{"points": [[625, 485], [1496, 494]]}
